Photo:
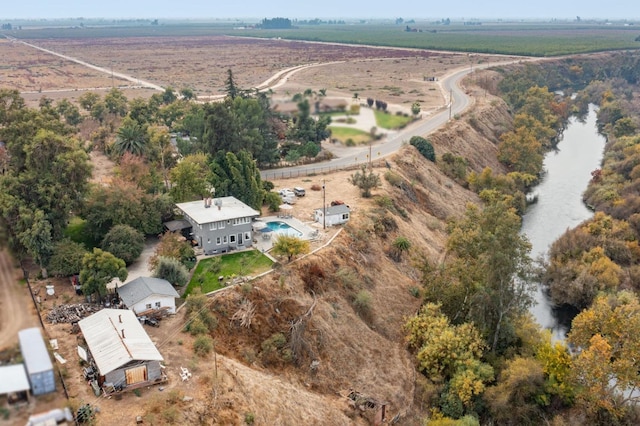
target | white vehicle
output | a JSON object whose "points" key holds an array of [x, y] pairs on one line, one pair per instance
{"points": [[286, 192], [288, 199]]}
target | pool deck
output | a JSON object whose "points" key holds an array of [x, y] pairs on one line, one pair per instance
{"points": [[265, 240]]}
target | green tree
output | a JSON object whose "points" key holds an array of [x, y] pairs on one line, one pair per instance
{"points": [[230, 85], [487, 274], [47, 171], [415, 108], [124, 242], [131, 137], [88, 99], [365, 181], [172, 270], [123, 203], [290, 246], [238, 176], [188, 94], [98, 269], [67, 258], [37, 239], [116, 102], [189, 178]]}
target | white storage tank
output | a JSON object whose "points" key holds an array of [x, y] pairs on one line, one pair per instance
{"points": [[37, 361]]}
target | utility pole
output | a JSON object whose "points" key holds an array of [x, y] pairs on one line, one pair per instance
{"points": [[324, 206]]}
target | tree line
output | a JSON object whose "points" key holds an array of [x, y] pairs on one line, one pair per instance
{"points": [[484, 359]]}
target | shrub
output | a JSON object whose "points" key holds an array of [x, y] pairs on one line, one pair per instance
{"points": [[249, 418], [424, 147], [362, 303], [393, 178], [172, 270], [196, 327], [203, 345]]}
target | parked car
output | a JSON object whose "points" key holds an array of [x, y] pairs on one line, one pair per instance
{"points": [[289, 199], [285, 192], [299, 191]]}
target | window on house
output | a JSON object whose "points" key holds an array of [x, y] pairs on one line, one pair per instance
{"points": [[158, 304], [212, 226], [148, 306], [232, 239], [221, 224], [247, 235], [218, 240], [345, 216], [224, 239]]}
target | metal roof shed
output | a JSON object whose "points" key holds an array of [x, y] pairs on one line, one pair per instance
{"points": [[13, 379], [115, 338], [37, 361]]}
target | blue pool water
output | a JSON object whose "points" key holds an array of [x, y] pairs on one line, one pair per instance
{"points": [[282, 228]]}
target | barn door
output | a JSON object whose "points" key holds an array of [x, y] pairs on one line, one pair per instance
{"points": [[136, 375]]}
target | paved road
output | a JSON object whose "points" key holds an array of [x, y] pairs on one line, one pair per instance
{"points": [[392, 143]]}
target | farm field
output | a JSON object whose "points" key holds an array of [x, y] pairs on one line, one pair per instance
{"points": [[201, 63]]}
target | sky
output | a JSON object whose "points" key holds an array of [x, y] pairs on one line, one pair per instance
{"points": [[324, 9]]}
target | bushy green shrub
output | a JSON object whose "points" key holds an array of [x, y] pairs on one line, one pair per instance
{"points": [[424, 147]]}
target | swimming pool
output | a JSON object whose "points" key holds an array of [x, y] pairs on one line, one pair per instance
{"points": [[282, 228]]}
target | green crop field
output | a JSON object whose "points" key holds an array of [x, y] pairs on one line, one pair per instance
{"points": [[513, 38]]}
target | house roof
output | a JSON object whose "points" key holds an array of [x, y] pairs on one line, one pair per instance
{"points": [[142, 287], [222, 208], [339, 209], [104, 331], [34, 352], [13, 378]]}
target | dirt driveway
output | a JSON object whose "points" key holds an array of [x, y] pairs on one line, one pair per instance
{"points": [[16, 308]]}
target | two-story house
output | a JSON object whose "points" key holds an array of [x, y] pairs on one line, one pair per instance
{"points": [[219, 225]]}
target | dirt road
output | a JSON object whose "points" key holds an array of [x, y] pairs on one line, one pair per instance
{"points": [[16, 307]]}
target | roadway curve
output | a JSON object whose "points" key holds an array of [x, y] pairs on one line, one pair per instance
{"points": [[449, 85]]}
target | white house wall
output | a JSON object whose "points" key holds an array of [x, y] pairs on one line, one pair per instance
{"points": [[152, 300]]}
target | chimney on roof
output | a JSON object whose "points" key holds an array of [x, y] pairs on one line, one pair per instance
{"points": [[120, 318], [218, 203], [123, 333]]}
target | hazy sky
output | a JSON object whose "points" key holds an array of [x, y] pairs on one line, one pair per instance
{"points": [[407, 9]]}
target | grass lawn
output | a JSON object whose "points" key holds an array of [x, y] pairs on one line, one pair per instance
{"points": [[243, 263], [390, 121], [344, 133], [76, 231]]}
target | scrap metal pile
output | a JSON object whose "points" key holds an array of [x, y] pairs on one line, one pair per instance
{"points": [[71, 313]]}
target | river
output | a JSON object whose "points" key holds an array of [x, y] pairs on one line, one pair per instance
{"points": [[560, 206]]}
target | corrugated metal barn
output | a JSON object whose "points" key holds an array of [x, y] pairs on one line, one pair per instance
{"points": [[37, 361], [121, 349]]}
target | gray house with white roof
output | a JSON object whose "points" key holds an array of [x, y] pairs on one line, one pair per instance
{"points": [[219, 225], [146, 293], [121, 349]]}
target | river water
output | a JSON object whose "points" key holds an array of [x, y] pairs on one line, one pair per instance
{"points": [[560, 207]]}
